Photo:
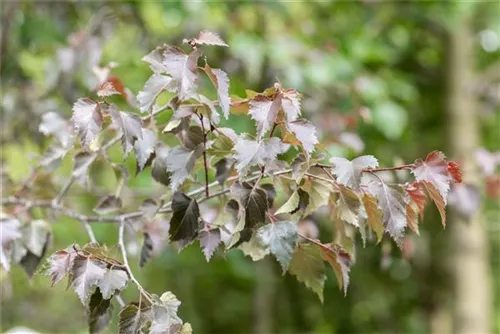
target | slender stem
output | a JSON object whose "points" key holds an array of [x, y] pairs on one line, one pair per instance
{"points": [[205, 164], [316, 242], [193, 105], [64, 190], [321, 178], [375, 170], [111, 143], [90, 232], [121, 242], [26, 184], [120, 301], [216, 194]]}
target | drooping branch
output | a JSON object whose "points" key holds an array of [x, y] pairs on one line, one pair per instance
{"points": [[57, 207]]}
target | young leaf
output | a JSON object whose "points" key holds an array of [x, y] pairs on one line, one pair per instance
{"points": [[341, 262], [319, 191], [264, 111], [270, 192], [264, 153], [348, 205], [113, 281], [9, 231], [417, 195], [108, 204], [53, 156], [53, 124], [223, 91], [436, 196], [185, 219], [253, 248], [186, 328], [83, 160], [208, 109], [35, 235], [85, 273], [60, 264], [191, 137], [349, 172], [87, 120], [146, 250], [159, 171], [107, 89], [305, 132], [155, 60], [222, 171], [434, 170], [209, 241], [393, 204], [291, 205], [144, 148], [411, 218], [220, 81], [182, 68], [455, 172], [222, 146], [100, 313], [165, 318], [254, 201], [132, 319], [130, 126], [307, 265], [299, 200], [206, 37], [156, 84], [30, 261], [374, 215], [291, 104], [281, 238], [181, 162], [149, 207]]}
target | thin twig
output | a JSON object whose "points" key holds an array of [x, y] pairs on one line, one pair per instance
{"points": [[219, 193], [121, 242], [375, 170], [369, 170], [316, 242], [321, 178], [27, 183], [90, 232], [123, 217]]}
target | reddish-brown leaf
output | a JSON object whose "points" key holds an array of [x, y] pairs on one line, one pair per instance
{"points": [[411, 218], [417, 195], [436, 197], [434, 170], [455, 172]]}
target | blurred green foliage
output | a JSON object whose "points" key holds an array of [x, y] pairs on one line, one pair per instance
{"points": [[384, 59]]}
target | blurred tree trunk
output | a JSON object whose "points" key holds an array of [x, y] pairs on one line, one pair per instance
{"points": [[468, 258], [264, 297]]}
